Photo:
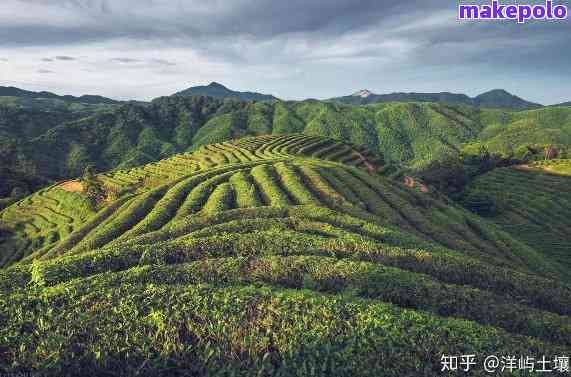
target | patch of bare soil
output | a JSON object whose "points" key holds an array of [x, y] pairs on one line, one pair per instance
{"points": [[72, 186], [547, 169], [410, 182]]}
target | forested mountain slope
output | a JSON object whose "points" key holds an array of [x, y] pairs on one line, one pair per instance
{"points": [[408, 133]]}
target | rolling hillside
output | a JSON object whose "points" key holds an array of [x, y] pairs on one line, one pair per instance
{"points": [[532, 203], [270, 255]]}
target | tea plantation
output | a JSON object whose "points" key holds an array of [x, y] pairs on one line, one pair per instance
{"points": [[533, 204], [278, 255]]}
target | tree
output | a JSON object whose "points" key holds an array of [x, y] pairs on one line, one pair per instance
{"points": [[77, 160], [91, 186], [19, 192], [446, 173]]}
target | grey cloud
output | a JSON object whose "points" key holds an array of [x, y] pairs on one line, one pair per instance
{"points": [[243, 31], [146, 19], [47, 60], [125, 60], [64, 58], [44, 71], [528, 47], [3, 60], [50, 35], [162, 62]]}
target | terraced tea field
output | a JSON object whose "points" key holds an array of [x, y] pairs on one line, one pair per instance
{"points": [[274, 255], [535, 207], [41, 220]]}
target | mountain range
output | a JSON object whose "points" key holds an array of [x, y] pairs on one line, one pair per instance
{"points": [[9, 91], [493, 99], [497, 98]]}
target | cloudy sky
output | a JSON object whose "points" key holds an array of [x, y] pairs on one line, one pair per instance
{"points": [[294, 49]]}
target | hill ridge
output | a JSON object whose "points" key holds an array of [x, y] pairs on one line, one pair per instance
{"points": [[496, 98], [10, 91]]}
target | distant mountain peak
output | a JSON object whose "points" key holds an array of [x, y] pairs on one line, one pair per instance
{"points": [[215, 84], [497, 91], [363, 93], [215, 89], [501, 98]]}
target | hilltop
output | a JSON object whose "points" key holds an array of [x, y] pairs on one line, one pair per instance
{"points": [[272, 255], [215, 89]]}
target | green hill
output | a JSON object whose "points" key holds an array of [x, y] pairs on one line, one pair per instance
{"points": [[273, 255], [54, 105], [506, 132]]}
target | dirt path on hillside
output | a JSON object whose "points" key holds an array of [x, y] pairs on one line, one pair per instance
{"points": [[71, 186], [547, 169]]}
